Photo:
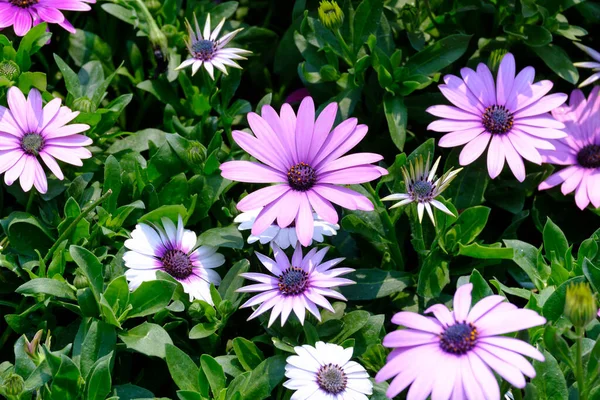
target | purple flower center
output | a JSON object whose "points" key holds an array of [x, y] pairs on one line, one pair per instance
{"points": [[301, 177], [458, 338], [293, 281], [589, 156], [32, 143], [422, 189], [177, 264], [24, 3], [497, 120], [204, 49], [332, 379]]}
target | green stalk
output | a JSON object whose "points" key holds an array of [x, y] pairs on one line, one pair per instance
{"points": [[349, 55], [30, 201], [73, 224], [579, 373]]}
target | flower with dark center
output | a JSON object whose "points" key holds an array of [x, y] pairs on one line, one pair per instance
{"points": [[301, 177], [177, 264], [295, 288], [293, 281], [332, 379], [589, 156], [458, 338], [423, 187], [497, 120], [172, 249], [579, 153], [325, 371], [208, 50], [32, 143], [454, 354], [24, 3], [508, 117]]}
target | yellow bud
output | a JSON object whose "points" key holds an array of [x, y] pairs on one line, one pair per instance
{"points": [[330, 14], [580, 305]]}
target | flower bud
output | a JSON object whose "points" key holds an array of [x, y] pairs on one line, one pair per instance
{"points": [[495, 59], [330, 14], [196, 153], [153, 5], [9, 70], [83, 104], [580, 305], [80, 281], [13, 385]]}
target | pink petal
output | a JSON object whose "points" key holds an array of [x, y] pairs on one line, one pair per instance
{"points": [[267, 215], [514, 160], [333, 141], [28, 174], [284, 129], [23, 22], [50, 111], [18, 107], [474, 149], [65, 24], [521, 88], [506, 78], [257, 149], [290, 211], [593, 187], [557, 178], [416, 321], [525, 148], [347, 143], [470, 385], [269, 139], [572, 181], [70, 155], [442, 313], [514, 359], [8, 158], [251, 172], [515, 345], [7, 15], [344, 197], [304, 128], [542, 121], [451, 112], [305, 222], [581, 196], [323, 126], [456, 91], [52, 165], [462, 302], [14, 172], [49, 14], [495, 160], [70, 5], [509, 321], [40, 182], [322, 207], [544, 105], [34, 110], [458, 138], [477, 86], [449, 125], [262, 197], [351, 160], [505, 370], [484, 377], [52, 131], [408, 338], [352, 175], [71, 141], [446, 376], [483, 306]]}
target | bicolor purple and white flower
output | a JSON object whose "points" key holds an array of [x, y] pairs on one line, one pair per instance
{"points": [[580, 151], [305, 159], [23, 14], [210, 51], [455, 354], [172, 249], [423, 187], [593, 65], [510, 115], [30, 131], [283, 237], [326, 372], [299, 285]]}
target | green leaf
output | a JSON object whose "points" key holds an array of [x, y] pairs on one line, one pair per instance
{"points": [[558, 61], [112, 181], [476, 250], [396, 116], [525, 256], [26, 234], [203, 330], [95, 339], [549, 381], [537, 35], [592, 273], [232, 281], [171, 212], [182, 368], [65, 383], [214, 373], [229, 236], [434, 274], [47, 286], [481, 288], [555, 304], [149, 339], [247, 352], [353, 322], [470, 223], [264, 379], [99, 382], [31, 43], [366, 21], [555, 242], [374, 284], [556, 345], [70, 77], [151, 297], [439, 55], [91, 267]]}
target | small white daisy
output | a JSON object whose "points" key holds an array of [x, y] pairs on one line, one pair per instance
{"points": [[593, 65], [423, 188], [283, 237], [210, 51], [172, 249], [325, 372]]}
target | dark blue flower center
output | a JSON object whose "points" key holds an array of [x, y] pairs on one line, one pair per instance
{"points": [[177, 264], [301, 177], [32, 143], [332, 379], [293, 281], [24, 3], [497, 120], [422, 189], [204, 49], [589, 156], [458, 338]]}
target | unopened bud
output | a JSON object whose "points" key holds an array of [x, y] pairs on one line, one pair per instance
{"points": [[13, 385], [9, 70], [196, 153], [83, 104], [330, 14], [80, 281], [580, 305]]}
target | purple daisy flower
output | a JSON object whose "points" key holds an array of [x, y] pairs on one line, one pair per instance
{"points": [[300, 285], [28, 131], [23, 14], [304, 158], [172, 249], [510, 115], [580, 150], [453, 354]]}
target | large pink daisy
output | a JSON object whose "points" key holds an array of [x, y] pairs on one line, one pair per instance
{"points": [[510, 115], [453, 355], [28, 131], [580, 151], [303, 157], [23, 14]]}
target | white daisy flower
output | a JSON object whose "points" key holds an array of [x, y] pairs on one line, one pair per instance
{"points": [[423, 188], [172, 249], [209, 51], [283, 237], [325, 372], [593, 65]]}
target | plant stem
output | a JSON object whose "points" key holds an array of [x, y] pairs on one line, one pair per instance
{"points": [[73, 224], [30, 201], [579, 373], [431, 17], [349, 56], [390, 229]]}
